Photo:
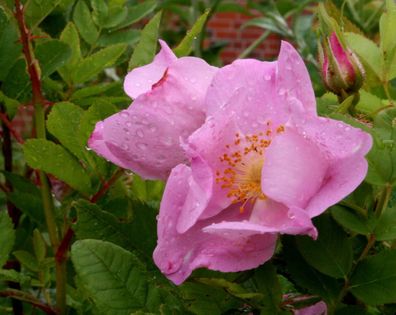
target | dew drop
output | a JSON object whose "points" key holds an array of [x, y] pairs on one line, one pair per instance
{"points": [[141, 145], [124, 114], [267, 77], [282, 91], [153, 129], [140, 133], [128, 124]]}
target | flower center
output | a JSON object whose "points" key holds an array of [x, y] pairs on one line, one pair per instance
{"points": [[244, 160]]}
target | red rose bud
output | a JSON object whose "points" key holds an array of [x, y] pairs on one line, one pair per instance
{"points": [[342, 72]]}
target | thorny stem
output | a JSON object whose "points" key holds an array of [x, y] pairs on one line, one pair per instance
{"points": [[26, 297], [39, 102]]}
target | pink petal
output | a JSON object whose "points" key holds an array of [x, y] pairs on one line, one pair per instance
{"points": [[146, 137], [285, 220], [208, 144], [247, 87], [198, 195], [267, 217], [140, 80], [335, 139], [342, 178], [293, 81], [293, 170], [178, 254]]}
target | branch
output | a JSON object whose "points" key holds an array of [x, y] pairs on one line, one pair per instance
{"points": [[26, 297], [6, 122]]}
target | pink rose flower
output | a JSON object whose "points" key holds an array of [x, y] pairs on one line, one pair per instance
{"points": [[262, 164], [168, 106]]}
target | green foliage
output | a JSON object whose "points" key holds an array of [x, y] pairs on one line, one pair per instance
{"points": [[94, 64], [37, 10], [331, 253], [146, 48], [374, 281], [54, 159], [186, 45], [7, 237]]}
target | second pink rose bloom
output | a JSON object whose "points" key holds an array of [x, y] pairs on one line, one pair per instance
{"points": [[249, 157]]}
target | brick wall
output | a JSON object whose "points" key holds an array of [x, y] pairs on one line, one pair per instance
{"points": [[226, 27]]}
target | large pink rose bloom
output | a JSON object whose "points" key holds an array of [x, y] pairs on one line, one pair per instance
{"points": [[168, 106], [263, 163]]}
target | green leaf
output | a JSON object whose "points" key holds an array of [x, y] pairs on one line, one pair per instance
{"points": [[186, 45], [267, 283], [351, 220], [97, 62], [7, 236], [84, 22], [94, 223], [114, 277], [70, 36], [17, 83], [146, 48], [388, 33], [27, 260], [306, 276], [36, 10], [117, 15], [382, 157], [386, 226], [97, 89], [52, 55], [10, 47], [14, 276], [232, 288], [10, 104], [368, 51], [39, 246], [143, 228], [100, 11], [62, 122], [374, 280], [26, 197], [204, 299], [138, 12], [369, 103], [124, 36], [54, 159], [331, 253]]}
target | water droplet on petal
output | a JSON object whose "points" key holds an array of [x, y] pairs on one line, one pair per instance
{"points": [[267, 77], [141, 145], [140, 133], [124, 114]]}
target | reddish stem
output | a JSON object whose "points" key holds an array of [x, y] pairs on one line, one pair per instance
{"points": [[22, 296], [7, 122], [31, 66]]}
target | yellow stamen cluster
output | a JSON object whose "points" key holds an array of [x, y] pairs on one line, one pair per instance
{"points": [[244, 159]]}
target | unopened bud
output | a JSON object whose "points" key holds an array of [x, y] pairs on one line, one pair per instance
{"points": [[342, 72]]}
